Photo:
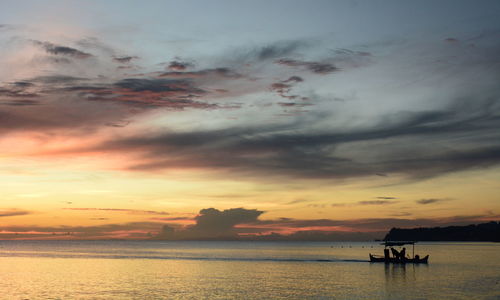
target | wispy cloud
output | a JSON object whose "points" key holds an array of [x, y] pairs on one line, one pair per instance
{"points": [[62, 50], [431, 200], [315, 67], [124, 59], [13, 212], [376, 202], [131, 211]]}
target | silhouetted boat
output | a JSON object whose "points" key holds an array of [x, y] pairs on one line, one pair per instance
{"points": [[398, 257]]}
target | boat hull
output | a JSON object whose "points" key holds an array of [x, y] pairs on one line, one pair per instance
{"points": [[392, 260]]}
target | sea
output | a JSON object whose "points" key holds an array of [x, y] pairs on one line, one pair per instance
{"points": [[243, 270]]}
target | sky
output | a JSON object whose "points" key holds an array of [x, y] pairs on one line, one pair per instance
{"points": [[247, 119]]}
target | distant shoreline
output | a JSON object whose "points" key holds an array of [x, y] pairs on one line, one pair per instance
{"points": [[485, 232]]}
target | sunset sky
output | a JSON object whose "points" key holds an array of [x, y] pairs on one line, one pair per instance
{"points": [[197, 119]]}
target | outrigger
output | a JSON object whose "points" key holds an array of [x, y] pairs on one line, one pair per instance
{"points": [[399, 257]]}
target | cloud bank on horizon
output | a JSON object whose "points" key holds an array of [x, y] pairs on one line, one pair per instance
{"points": [[299, 99]]}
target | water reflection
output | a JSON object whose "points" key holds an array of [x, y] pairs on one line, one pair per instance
{"points": [[235, 270], [402, 277], [395, 272]]}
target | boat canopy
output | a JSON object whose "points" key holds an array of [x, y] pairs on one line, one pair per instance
{"points": [[391, 243]]}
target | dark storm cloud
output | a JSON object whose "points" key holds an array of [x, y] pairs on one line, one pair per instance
{"points": [[62, 50], [315, 67], [386, 198]]}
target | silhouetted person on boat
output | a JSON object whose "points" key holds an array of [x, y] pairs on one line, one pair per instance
{"points": [[402, 254], [395, 253]]}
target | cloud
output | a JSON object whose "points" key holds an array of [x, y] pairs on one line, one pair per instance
{"points": [[260, 54], [133, 230], [384, 201], [315, 67], [16, 93], [364, 224], [298, 201], [157, 85], [278, 49], [215, 72], [318, 235], [62, 50], [56, 79], [13, 212], [287, 150], [294, 79], [240, 223], [131, 211], [283, 89], [180, 65], [212, 223], [433, 134], [430, 201], [23, 102], [124, 59], [173, 219], [376, 202], [231, 224]]}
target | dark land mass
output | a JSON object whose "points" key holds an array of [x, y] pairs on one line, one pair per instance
{"points": [[485, 232]]}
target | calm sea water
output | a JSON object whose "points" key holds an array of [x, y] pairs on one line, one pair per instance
{"points": [[242, 270]]}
